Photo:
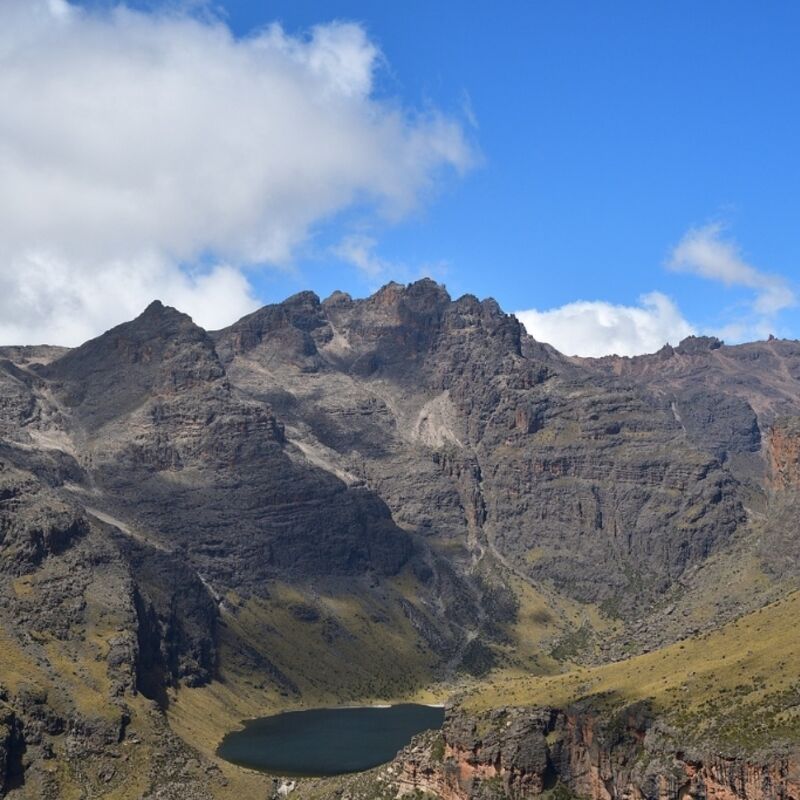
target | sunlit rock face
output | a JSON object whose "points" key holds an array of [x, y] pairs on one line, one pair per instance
{"points": [[784, 453], [408, 469], [523, 752]]}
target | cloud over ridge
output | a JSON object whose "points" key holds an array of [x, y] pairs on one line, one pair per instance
{"points": [[597, 328], [133, 143]]}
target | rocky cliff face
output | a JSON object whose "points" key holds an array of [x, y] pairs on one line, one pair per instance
{"points": [[92, 625], [525, 752], [10, 747], [764, 374], [157, 418], [408, 468], [449, 405], [784, 453]]}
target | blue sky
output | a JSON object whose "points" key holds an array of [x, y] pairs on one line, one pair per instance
{"points": [[607, 130], [600, 137]]}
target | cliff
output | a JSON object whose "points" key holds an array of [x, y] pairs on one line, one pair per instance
{"points": [[784, 453], [359, 499], [525, 753]]}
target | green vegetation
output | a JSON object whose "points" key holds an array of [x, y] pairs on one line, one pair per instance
{"points": [[559, 792], [275, 655], [739, 685], [437, 748], [572, 644]]}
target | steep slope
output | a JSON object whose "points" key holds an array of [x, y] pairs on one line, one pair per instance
{"points": [[156, 489], [585, 482], [354, 500], [766, 374], [75, 665], [741, 403], [725, 397], [176, 450], [713, 716]]}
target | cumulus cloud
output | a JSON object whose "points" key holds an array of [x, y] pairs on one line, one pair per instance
{"points": [[704, 252], [45, 299], [132, 143], [597, 328]]}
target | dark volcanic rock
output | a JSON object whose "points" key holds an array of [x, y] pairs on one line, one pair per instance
{"points": [[697, 344], [177, 621], [410, 410], [160, 480], [535, 453], [296, 328], [723, 424], [174, 447], [34, 521], [11, 748], [162, 352]]}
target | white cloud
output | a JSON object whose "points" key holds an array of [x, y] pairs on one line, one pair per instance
{"points": [[359, 250], [60, 9], [597, 328], [133, 142], [703, 251], [45, 300]]}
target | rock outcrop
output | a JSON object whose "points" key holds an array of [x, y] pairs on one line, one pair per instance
{"points": [[406, 465], [784, 453], [447, 405], [523, 752], [10, 748]]}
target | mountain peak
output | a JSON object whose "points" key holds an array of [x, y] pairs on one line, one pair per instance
{"points": [[305, 298], [157, 312], [422, 288], [693, 345], [161, 349], [154, 307]]}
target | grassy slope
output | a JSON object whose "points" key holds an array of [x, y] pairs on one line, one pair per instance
{"points": [[73, 675], [344, 656], [739, 685], [361, 650]]}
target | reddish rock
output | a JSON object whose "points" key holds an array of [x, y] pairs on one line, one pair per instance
{"points": [[783, 448], [519, 753]]}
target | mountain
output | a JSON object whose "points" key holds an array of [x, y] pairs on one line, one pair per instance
{"points": [[395, 497]]}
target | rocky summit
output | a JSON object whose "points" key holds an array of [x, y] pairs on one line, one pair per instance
{"points": [[594, 562]]}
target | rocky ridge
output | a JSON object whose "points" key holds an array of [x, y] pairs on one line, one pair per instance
{"points": [[183, 510]]}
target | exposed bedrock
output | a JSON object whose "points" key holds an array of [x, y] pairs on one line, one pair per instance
{"points": [[419, 455], [784, 453], [522, 752], [468, 429]]}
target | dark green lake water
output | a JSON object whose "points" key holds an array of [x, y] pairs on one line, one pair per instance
{"points": [[327, 741]]}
